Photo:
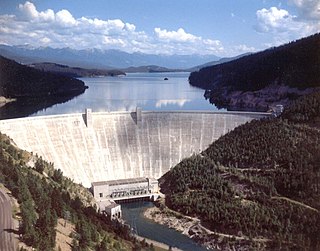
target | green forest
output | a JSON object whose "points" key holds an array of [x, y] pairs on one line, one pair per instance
{"points": [[44, 195], [261, 181]]}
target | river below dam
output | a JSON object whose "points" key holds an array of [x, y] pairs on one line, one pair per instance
{"points": [[133, 214]]}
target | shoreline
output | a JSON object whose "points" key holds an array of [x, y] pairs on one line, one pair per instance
{"points": [[157, 244], [192, 228]]}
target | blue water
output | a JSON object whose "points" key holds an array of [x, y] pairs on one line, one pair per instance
{"points": [[147, 90], [133, 214]]}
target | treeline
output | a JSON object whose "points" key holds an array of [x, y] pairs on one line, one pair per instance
{"points": [[296, 64], [21, 81], [45, 198], [261, 180]]}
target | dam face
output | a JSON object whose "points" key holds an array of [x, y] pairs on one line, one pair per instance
{"points": [[107, 146]]}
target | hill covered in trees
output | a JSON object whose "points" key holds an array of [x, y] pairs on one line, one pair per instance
{"points": [[20, 81], [45, 195], [256, 81], [260, 183], [75, 72]]}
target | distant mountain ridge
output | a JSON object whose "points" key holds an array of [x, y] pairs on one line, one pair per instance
{"points": [[216, 62], [102, 59], [263, 79]]}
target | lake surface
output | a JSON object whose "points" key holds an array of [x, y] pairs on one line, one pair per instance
{"points": [[132, 213], [147, 90]]}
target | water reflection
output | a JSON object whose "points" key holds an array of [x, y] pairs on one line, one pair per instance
{"points": [[147, 90], [164, 102]]}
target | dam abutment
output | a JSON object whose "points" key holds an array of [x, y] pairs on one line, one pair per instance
{"points": [[99, 146]]}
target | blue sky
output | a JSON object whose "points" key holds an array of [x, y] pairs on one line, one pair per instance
{"points": [[219, 27]]}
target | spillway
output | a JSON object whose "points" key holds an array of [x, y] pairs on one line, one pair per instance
{"points": [[95, 147]]}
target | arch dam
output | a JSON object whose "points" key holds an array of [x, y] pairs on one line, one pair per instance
{"points": [[94, 147]]}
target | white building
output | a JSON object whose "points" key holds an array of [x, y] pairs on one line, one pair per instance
{"points": [[109, 207], [125, 189], [107, 192]]}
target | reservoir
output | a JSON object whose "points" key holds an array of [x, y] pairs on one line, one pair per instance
{"points": [[124, 93], [133, 215]]}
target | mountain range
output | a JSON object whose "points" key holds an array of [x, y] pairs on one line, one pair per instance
{"points": [[101, 59]]}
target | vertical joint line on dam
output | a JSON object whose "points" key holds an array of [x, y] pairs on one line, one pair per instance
{"points": [[88, 118]]}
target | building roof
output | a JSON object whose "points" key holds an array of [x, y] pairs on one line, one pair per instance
{"points": [[119, 182]]}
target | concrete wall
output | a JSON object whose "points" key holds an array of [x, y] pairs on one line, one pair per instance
{"points": [[117, 145]]}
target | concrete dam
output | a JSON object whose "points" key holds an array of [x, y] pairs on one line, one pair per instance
{"points": [[103, 146]]}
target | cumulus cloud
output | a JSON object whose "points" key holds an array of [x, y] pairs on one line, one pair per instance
{"points": [[179, 36], [285, 26], [273, 19], [179, 41], [30, 12], [62, 29]]}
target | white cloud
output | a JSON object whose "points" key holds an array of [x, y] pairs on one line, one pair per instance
{"points": [[65, 18], [274, 19], [179, 36], [180, 41], [61, 29], [30, 13], [284, 26], [308, 9]]}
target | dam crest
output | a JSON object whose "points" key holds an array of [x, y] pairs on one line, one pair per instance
{"points": [[100, 146]]}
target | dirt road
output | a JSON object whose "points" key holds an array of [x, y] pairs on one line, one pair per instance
{"points": [[7, 238]]}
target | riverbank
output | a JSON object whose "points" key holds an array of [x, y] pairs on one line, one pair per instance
{"points": [[193, 228], [158, 245]]}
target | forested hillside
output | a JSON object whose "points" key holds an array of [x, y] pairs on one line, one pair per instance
{"points": [[75, 72], [261, 181], [17, 81], [45, 195], [239, 83]]}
